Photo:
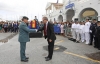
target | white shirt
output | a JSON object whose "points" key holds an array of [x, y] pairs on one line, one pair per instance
{"points": [[62, 26], [82, 28], [73, 25], [87, 27], [12, 24], [77, 27], [46, 25]]}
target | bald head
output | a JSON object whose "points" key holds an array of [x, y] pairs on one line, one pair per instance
{"points": [[45, 19]]}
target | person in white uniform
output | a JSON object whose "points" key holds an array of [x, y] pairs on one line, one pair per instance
{"points": [[86, 30], [62, 29], [82, 34], [73, 31], [77, 32]]}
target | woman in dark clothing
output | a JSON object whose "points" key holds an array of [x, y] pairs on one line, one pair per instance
{"points": [[69, 28]]}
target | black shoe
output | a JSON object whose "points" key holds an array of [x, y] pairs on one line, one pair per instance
{"points": [[98, 48], [90, 44], [27, 57], [48, 59], [77, 42], [74, 40], [26, 60], [95, 47], [71, 39]]}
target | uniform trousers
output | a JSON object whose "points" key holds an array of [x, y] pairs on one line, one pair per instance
{"points": [[77, 36], [87, 37], [73, 34], [82, 37], [22, 50]]}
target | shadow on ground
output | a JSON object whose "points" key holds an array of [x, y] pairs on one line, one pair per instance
{"points": [[95, 56], [8, 38], [57, 48]]}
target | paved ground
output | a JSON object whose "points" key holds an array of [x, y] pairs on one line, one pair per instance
{"points": [[4, 35], [66, 52]]}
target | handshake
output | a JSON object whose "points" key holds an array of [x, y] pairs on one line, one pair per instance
{"points": [[38, 33], [37, 30]]}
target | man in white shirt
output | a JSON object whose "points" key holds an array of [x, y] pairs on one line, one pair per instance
{"points": [[77, 32], [86, 30], [82, 34], [73, 32]]}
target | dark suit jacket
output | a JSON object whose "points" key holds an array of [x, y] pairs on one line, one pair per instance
{"points": [[50, 32], [93, 27]]}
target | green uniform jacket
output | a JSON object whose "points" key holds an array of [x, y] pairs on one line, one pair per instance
{"points": [[24, 32]]}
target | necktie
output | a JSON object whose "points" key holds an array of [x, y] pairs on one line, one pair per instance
{"points": [[45, 32]]}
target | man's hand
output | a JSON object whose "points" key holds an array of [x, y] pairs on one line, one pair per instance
{"points": [[50, 40], [36, 30], [90, 31]]}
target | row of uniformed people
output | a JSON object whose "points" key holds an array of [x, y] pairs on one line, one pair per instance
{"points": [[86, 32]]}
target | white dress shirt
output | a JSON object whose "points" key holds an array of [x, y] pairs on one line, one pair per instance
{"points": [[77, 27], [87, 27], [73, 25], [46, 25], [82, 28]]}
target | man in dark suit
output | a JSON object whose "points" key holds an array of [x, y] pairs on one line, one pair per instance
{"points": [[92, 32], [97, 36], [49, 35], [24, 37]]}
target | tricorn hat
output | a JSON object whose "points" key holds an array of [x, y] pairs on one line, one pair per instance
{"points": [[24, 17]]}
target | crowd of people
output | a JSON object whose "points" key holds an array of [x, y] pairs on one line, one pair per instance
{"points": [[64, 28], [9, 27], [87, 32]]}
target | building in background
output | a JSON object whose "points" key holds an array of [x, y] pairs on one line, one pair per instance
{"points": [[53, 10], [73, 9]]}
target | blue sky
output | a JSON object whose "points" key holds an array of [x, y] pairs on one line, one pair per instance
{"points": [[13, 9]]}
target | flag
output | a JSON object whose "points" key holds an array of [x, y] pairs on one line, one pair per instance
{"points": [[33, 24], [57, 1]]}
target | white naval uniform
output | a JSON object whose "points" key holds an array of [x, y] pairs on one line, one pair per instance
{"points": [[82, 34], [77, 32], [87, 30], [73, 31], [62, 28]]}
